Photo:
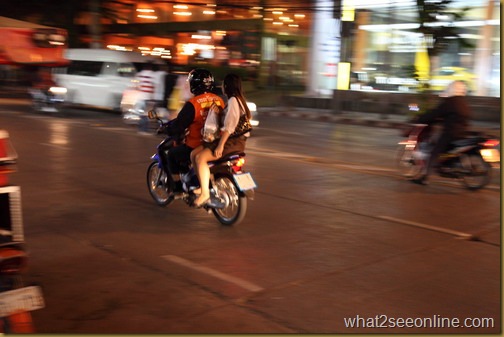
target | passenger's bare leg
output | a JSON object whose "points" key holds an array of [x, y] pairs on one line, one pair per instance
{"points": [[203, 172]]}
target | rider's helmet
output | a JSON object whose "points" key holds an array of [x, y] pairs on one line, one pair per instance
{"points": [[200, 81]]}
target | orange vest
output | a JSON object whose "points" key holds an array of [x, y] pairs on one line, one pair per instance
{"points": [[201, 105]]}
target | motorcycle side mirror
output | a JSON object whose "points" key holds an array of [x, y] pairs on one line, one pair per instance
{"points": [[152, 114]]}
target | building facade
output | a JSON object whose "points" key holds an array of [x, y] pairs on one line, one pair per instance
{"points": [[302, 44]]}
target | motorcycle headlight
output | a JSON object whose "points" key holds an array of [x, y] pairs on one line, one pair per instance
{"points": [[58, 90]]}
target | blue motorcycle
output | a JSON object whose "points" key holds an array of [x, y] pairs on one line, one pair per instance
{"points": [[230, 185]]}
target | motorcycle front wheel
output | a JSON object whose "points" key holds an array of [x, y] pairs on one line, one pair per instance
{"points": [[477, 172], [407, 165], [159, 185], [235, 203]]}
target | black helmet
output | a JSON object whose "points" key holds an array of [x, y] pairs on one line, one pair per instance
{"points": [[200, 81]]}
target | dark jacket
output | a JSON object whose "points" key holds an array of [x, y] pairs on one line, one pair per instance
{"points": [[453, 112]]}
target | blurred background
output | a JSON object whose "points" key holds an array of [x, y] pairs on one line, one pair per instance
{"points": [[309, 47]]}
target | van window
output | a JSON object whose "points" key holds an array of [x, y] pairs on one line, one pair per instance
{"points": [[126, 70], [85, 68], [110, 69]]}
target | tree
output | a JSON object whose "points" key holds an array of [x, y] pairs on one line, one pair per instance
{"points": [[436, 25]]}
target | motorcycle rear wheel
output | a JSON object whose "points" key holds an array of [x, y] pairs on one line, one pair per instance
{"points": [[159, 185], [479, 171], [235, 202]]}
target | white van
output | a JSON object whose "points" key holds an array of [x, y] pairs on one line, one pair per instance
{"points": [[98, 77]]}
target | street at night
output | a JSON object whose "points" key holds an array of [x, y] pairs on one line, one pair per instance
{"points": [[334, 235]]}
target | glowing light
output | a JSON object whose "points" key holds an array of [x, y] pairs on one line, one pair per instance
{"points": [[200, 37], [150, 17]]}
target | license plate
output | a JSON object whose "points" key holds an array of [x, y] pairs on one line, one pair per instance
{"points": [[23, 299], [244, 181]]}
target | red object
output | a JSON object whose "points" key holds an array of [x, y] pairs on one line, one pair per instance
{"points": [[26, 43], [8, 157]]}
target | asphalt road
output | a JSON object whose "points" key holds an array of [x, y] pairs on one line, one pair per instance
{"points": [[333, 235]]}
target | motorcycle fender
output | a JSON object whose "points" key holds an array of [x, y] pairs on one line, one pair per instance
{"points": [[155, 157], [249, 194]]}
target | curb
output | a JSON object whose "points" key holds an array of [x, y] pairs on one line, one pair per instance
{"points": [[327, 117]]}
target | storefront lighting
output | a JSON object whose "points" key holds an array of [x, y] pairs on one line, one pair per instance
{"points": [[145, 10], [299, 16], [182, 13], [278, 13], [180, 7], [150, 17], [209, 12], [278, 23], [294, 25], [201, 37]]}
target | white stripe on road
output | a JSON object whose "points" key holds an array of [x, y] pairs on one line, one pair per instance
{"points": [[212, 272], [429, 227]]}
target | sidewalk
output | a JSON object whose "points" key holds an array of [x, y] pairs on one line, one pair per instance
{"points": [[393, 121]]}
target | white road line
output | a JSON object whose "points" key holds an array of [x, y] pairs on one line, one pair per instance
{"points": [[212, 272], [429, 227]]}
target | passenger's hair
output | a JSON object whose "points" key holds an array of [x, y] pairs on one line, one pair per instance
{"points": [[233, 88]]}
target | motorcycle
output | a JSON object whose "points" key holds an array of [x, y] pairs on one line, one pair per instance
{"points": [[49, 99], [469, 160], [230, 185]]}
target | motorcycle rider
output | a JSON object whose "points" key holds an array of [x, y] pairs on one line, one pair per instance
{"points": [[191, 117], [454, 113]]}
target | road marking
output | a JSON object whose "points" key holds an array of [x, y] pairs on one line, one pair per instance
{"points": [[428, 227], [212, 272]]}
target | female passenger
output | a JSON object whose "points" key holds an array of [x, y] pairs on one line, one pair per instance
{"points": [[230, 140]]}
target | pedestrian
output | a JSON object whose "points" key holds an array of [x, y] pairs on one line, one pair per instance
{"points": [[146, 83]]}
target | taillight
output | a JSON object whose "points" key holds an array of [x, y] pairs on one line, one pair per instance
{"points": [[491, 143], [238, 164]]}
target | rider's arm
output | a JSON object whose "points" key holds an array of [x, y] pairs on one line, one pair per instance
{"points": [[184, 119], [433, 115]]}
